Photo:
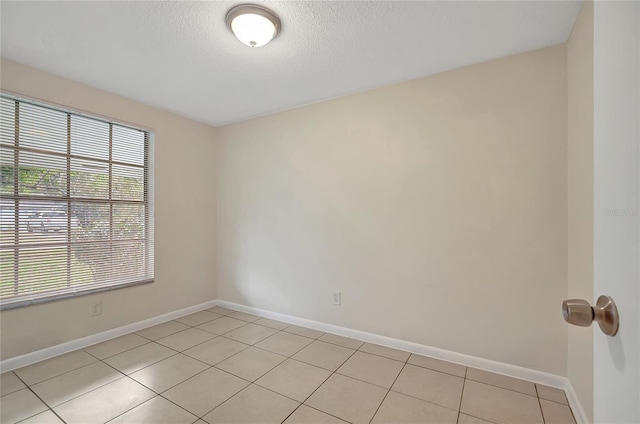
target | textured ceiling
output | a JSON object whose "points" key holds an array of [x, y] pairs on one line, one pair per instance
{"points": [[179, 56]]}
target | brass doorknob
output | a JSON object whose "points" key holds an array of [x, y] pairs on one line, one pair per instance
{"points": [[580, 312]]}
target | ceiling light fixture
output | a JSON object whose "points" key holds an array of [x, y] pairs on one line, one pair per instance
{"points": [[253, 25]]}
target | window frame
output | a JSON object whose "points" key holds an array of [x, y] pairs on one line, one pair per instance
{"points": [[59, 293]]}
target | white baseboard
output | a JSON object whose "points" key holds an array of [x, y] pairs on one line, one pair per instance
{"points": [[578, 411], [509, 370], [50, 352], [445, 355]]}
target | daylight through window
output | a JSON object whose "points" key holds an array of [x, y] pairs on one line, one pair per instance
{"points": [[76, 204]]}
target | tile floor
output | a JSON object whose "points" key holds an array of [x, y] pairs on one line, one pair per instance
{"points": [[221, 366]]}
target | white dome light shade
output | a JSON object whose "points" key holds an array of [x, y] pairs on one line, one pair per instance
{"points": [[253, 30], [253, 25]]}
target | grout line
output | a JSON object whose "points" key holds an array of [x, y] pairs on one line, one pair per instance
{"points": [[296, 334], [55, 376], [88, 391], [249, 381], [245, 323], [441, 372], [382, 356], [110, 356], [171, 387], [229, 398], [475, 416], [92, 390], [153, 340], [149, 400], [499, 387], [337, 344], [191, 347], [226, 338], [539, 403], [555, 401], [326, 369], [321, 384], [124, 412], [422, 400], [41, 400], [193, 413], [319, 410], [464, 382], [389, 389]]}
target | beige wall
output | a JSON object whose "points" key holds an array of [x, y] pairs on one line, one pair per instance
{"points": [[437, 206], [580, 199], [184, 220]]}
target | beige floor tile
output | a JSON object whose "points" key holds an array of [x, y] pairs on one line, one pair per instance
{"points": [[185, 339], [49, 368], [373, 369], [139, 357], [303, 331], [215, 350], [349, 399], [200, 422], [499, 405], [387, 352], [551, 393], [162, 330], [432, 386], [556, 413], [19, 405], [114, 346], [250, 333], [198, 318], [104, 403], [284, 343], [402, 409], [165, 374], [272, 323], [438, 365], [324, 355], [75, 383], [253, 405], [251, 363], [243, 316], [220, 310], [157, 411], [294, 379], [503, 381], [341, 341], [307, 415], [222, 325], [46, 417], [9, 383], [205, 391], [468, 419]]}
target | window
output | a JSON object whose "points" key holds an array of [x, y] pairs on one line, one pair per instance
{"points": [[76, 203]]}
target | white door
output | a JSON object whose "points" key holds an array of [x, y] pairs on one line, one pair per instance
{"points": [[617, 207]]}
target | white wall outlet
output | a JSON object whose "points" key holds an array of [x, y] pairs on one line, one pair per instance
{"points": [[96, 308], [337, 298]]}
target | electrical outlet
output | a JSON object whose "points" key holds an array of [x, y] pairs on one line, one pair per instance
{"points": [[337, 298], [96, 308]]}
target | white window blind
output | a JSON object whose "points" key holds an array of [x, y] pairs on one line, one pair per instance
{"points": [[76, 200]]}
